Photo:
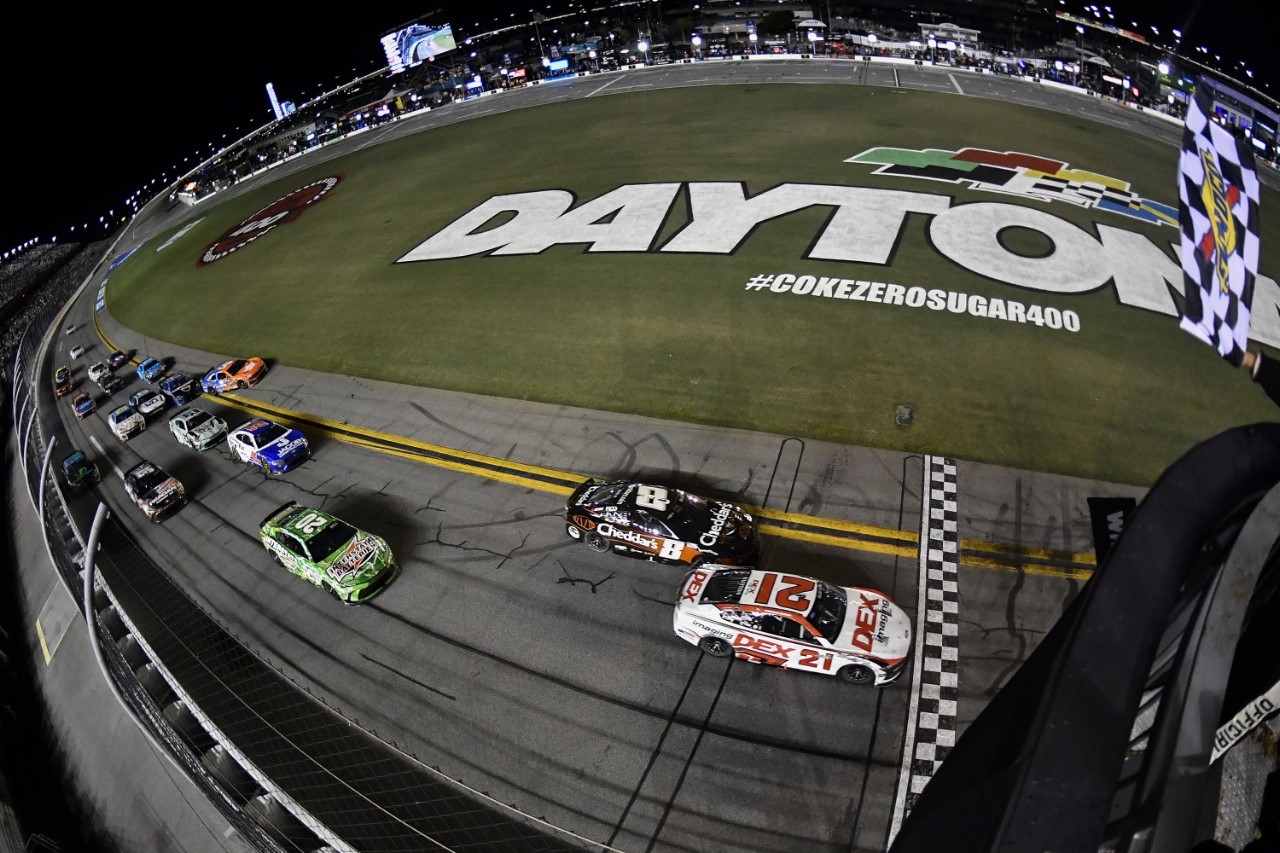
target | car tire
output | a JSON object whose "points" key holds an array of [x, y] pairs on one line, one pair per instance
{"points": [[596, 542], [573, 530], [856, 673], [699, 561], [241, 386], [266, 470], [717, 647]]}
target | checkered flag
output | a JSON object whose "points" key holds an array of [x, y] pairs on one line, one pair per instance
{"points": [[1218, 213]]}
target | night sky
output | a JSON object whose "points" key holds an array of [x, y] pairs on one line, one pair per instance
{"points": [[105, 97]]}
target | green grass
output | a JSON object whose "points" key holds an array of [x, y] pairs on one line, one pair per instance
{"points": [[675, 336]]}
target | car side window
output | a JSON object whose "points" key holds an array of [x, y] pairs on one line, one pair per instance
{"points": [[290, 543], [783, 627]]}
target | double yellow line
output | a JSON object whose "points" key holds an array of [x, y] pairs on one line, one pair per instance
{"points": [[807, 528]]}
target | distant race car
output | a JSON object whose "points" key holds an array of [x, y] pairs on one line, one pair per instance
{"points": [[345, 562], [116, 359], [126, 422], [236, 373], [148, 402], [110, 384], [273, 448], [150, 369], [197, 429], [155, 492], [97, 370], [794, 622], [82, 404], [63, 384], [80, 470], [180, 387], [71, 327], [657, 523], [77, 351]]}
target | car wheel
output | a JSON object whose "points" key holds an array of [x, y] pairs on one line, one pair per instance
{"points": [[699, 561], [597, 543], [717, 647], [266, 470], [574, 531], [857, 674], [241, 385]]}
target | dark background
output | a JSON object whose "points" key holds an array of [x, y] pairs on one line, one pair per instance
{"points": [[105, 97]]}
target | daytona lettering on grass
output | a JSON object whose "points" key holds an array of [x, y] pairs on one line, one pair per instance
{"points": [[935, 299]]}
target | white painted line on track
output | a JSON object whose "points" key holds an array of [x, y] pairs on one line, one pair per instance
{"points": [[93, 439], [909, 737], [896, 81], [955, 83], [605, 86]]}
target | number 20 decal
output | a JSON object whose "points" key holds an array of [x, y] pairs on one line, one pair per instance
{"points": [[309, 523], [652, 497]]}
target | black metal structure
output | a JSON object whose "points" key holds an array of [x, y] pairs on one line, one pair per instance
{"points": [[1102, 739]]}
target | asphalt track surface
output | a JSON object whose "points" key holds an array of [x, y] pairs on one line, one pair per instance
{"points": [[544, 674]]}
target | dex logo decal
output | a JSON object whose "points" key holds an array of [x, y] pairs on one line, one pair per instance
{"points": [[281, 211], [865, 226]]}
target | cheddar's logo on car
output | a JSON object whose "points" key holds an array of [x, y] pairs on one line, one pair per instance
{"points": [[283, 210]]}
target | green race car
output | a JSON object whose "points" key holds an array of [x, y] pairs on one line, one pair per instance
{"points": [[349, 564]]}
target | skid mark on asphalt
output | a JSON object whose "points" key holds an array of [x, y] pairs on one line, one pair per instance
{"points": [[682, 708]]}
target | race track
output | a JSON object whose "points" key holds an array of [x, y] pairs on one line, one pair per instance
{"points": [[546, 675]]}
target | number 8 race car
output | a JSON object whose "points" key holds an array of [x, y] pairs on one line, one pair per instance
{"points": [[661, 524], [794, 622]]}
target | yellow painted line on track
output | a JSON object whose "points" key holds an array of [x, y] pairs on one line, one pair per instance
{"points": [[44, 647], [839, 541], [835, 532]]}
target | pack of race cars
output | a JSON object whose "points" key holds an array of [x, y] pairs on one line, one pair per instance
{"points": [[725, 605]]}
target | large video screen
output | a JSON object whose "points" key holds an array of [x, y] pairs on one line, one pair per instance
{"points": [[416, 44]]}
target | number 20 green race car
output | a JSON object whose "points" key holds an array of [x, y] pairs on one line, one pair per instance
{"points": [[348, 563]]}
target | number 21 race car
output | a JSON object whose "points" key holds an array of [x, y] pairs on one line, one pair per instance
{"points": [[661, 524], [794, 622]]}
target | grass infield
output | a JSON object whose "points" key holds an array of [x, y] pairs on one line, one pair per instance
{"points": [[676, 336]]}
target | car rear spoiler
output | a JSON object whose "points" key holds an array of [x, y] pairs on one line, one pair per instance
{"points": [[276, 512], [577, 493]]}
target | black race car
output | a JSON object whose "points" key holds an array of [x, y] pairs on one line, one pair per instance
{"points": [[662, 524]]}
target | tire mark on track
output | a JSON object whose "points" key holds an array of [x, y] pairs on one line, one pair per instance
{"points": [[721, 731]]}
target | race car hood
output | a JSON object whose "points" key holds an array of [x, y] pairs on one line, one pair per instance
{"points": [[285, 446], [206, 430], [874, 625], [360, 559], [716, 524], [131, 419], [162, 491], [84, 405]]}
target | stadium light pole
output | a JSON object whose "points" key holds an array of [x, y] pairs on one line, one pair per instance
{"points": [[696, 41], [1080, 67], [643, 47]]}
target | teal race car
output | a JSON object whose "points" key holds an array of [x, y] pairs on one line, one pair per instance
{"points": [[80, 470], [348, 563]]}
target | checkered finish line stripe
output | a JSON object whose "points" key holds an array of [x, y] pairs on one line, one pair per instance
{"points": [[931, 726]]}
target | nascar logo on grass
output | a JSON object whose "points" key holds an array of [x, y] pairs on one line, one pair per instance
{"points": [[934, 299]]}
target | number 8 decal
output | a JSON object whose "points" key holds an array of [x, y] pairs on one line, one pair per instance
{"points": [[652, 497], [672, 549]]}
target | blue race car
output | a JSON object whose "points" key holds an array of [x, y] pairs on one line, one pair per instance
{"points": [[273, 448], [180, 388], [151, 369]]}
